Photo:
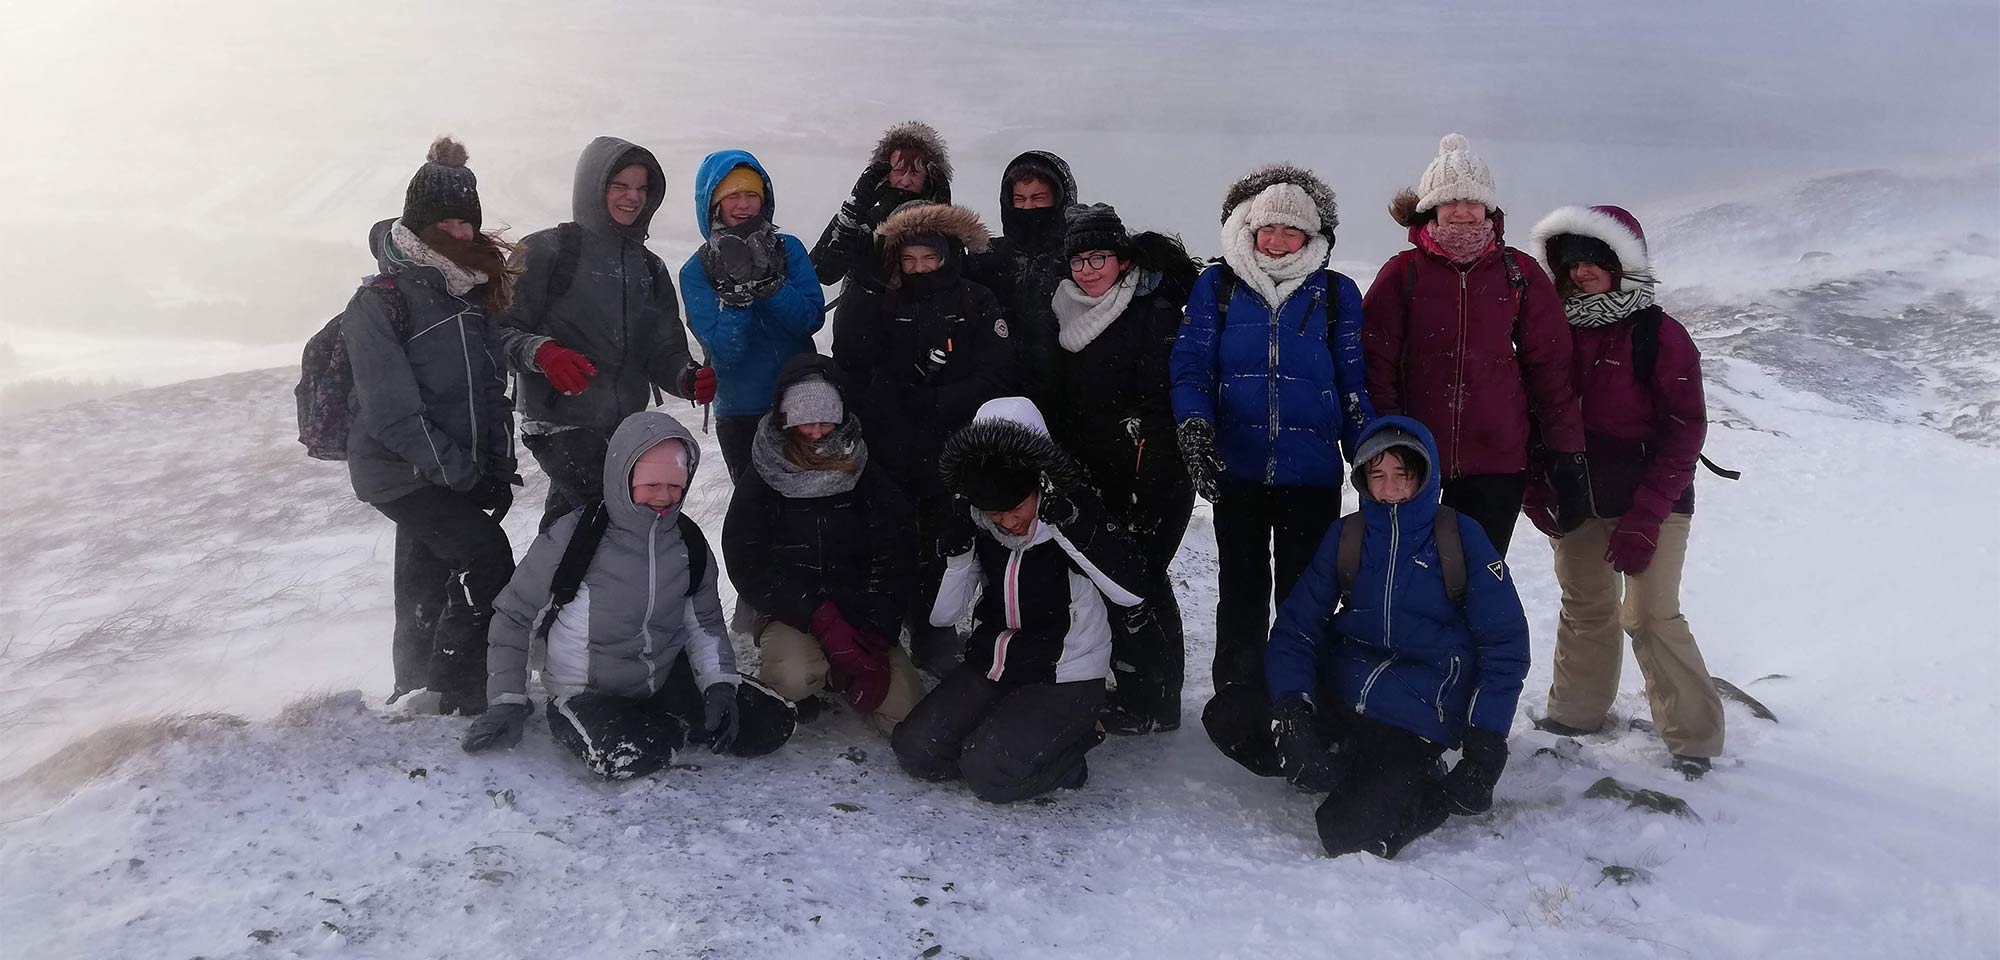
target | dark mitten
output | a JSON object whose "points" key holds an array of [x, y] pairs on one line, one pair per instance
{"points": [[1569, 475], [1197, 439], [719, 715], [1468, 788], [958, 533], [500, 726], [1304, 757], [868, 187], [495, 494]]}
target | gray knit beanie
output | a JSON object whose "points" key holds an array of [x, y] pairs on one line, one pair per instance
{"points": [[812, 400]]}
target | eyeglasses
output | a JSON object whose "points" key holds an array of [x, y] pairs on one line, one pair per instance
{"points": [[1095, 262]]}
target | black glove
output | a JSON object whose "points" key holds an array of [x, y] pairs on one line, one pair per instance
{"points": [[1569, 474], [1058, 509], [744, 263], [1468, 788], [1197, 439], [1303, 756], [719, 714], [495, 494], [500, 726], [958, 534], [868, 189]]}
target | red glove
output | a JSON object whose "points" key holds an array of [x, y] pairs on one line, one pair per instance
{"points": [[849, 652], [566, 369], [1538, 502], [698, 383], [1632, 545]]}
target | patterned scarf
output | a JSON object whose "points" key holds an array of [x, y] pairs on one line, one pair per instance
{"points": [[407, 247], [767, 456], [1586, 310], [1461, 243]]}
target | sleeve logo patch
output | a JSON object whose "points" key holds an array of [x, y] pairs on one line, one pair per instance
{"points": [[1000, 327], [1498, 569]]}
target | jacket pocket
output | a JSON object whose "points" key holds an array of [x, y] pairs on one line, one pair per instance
{"points": [[1444, 689]]}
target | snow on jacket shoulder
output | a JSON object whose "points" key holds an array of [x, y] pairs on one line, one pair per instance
{"points": [[633, 614], [430, 399], [1040, 615], [619, 309], [1284, 388], [1400, 651], [1467, 356], [748, 345]]}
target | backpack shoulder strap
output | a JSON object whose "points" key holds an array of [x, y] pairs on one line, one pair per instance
{"points": [[576, 559], [1409, 281], [697, 548], [1646, 344], [1348, 559], [1451, 553], [569, 255], [1225, 290]]}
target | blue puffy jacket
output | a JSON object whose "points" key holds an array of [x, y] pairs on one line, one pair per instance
{"points": [[748, 345], [1284, 401], [1400, 651]]}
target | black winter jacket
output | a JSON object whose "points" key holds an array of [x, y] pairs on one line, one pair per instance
{"points": [[1112, 396]]}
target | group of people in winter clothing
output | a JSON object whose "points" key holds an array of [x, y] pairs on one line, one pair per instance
{"points": [[988, 478]]}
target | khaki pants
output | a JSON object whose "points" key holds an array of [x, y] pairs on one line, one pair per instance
{"points": [[1589, 652], [796, 667]]}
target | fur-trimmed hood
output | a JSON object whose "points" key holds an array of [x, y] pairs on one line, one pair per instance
{"points": [[1614, 226], [916, 219], [1253, 183], [1007, 435], [923, 138], [1044, 165]]}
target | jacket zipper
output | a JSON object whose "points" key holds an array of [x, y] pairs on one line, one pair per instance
{"points": [[1271, 394], [471, 388], [1450, 678], [1458, 376], [1388, 610], [652, 590]]}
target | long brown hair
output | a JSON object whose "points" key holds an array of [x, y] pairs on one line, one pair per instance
{"points": [[804, 451], [486, 253]]}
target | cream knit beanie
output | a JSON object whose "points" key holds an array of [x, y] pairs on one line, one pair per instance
{"points": [[1456, 174], [1285, 204]]}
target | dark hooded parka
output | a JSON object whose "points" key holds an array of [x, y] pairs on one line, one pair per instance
{"points": [[846, 249], [1026, 262]]}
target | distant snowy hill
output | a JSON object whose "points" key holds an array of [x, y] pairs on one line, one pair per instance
{"points": [[209, 612]]}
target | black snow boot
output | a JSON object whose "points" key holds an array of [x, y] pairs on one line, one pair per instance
{"points": [[1693, 768]]}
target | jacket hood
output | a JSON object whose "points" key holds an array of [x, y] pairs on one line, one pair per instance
{"points": [[1614, 226], [923, 138], [601, 161], [639, 433], [1045, 165], [943, 219], [1254, 183], [713, 168], [1384, 433], [389, 264], [1037, 230], [1007, 436]]}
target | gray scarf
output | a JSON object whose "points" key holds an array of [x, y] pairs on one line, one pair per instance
{"points": [[767, 455], [1587, 310]]}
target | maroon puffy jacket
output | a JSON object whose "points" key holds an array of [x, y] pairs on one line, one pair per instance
{"points": [[1446, 355], [1643, 438]]}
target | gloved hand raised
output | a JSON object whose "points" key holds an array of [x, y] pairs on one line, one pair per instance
{"points": [[500, 726], [745, 263], [1197, 439], [1303, 756], [868, 188], [719, 715], [959, 532], [567, 370], [1468, 788]]}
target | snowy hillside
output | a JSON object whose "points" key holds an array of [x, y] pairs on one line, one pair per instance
{"points": [[170, 552]]}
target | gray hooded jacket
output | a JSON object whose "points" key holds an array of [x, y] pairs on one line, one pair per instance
{"points": [[618, 312], [430, 403], [632, 615]]}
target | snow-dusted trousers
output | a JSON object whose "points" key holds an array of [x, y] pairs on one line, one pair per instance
{"points": [[795, 666], [1010, 741], [619, 738], [1590, 652]]}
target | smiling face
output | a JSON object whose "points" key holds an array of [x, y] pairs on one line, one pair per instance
{"points": [[1094, 280], [1390, 480], [1033, 194], [916, 259], [625, 196], [659, 479], [1276, 240], [1590, 278], [1461, 211], [740, 207], [1020, 519]]}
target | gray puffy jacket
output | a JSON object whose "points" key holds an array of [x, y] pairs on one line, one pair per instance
{"points": [[622, 316], [632, 615], [430, 402]]}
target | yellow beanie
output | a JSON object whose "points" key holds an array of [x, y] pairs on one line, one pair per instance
{"points": [[739, 180]]}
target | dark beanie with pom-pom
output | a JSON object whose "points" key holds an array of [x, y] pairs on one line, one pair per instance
{"points": [[443, 189]]}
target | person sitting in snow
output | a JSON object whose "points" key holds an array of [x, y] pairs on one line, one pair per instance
{"points": [[1034, 548], [638, 660], [1376, 669], [1643, 424], [823, 544]]}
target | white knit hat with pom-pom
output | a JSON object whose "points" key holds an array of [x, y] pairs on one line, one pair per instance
{"points": [[1286, 204], [1456, 174]]}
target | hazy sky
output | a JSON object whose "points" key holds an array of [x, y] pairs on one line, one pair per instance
{"points": [[185, 182]]}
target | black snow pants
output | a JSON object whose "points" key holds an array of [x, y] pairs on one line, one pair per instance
{"points": [[452, 559], [619, 738], [1493, 499], [1152, 667], [573, 460], [1252, 523], [1010, 741], [735, 435], [1389, 796]]}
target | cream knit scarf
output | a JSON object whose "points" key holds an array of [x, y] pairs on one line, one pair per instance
{"points": [[1274, 279], [1080, 317]]}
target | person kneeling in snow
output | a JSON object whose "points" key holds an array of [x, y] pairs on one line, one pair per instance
{"points": [[1016, 718], [638, 658], [1413, 643]]}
